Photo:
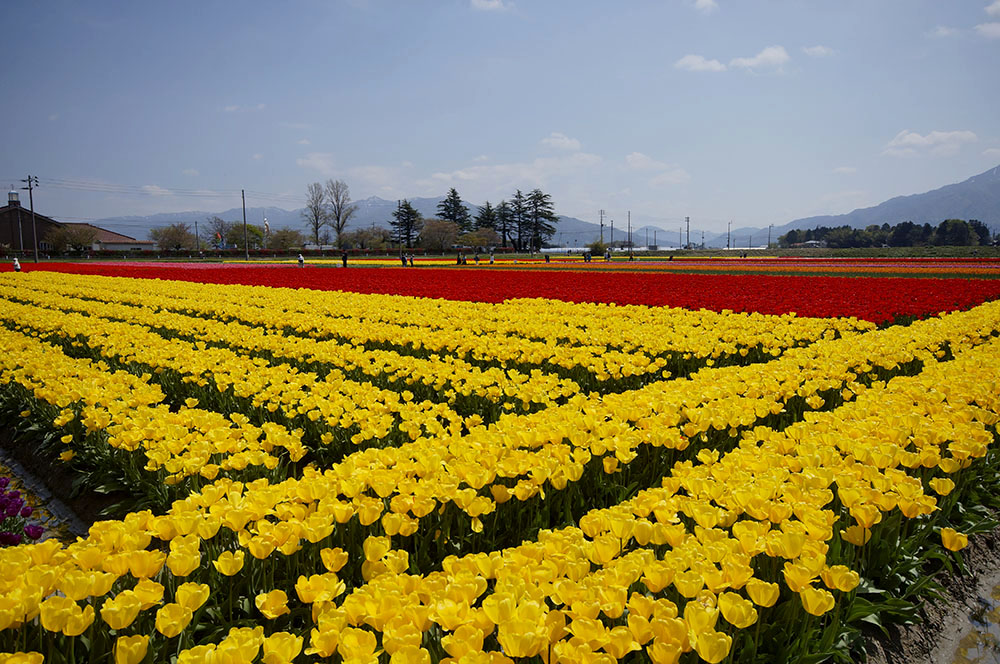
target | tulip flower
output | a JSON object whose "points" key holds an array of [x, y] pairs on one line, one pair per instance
{"points": [[130, 649]]}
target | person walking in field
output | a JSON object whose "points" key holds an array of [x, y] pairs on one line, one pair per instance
{"points": [[402, 257], [17, 265], [302, 261], [343, 258]]}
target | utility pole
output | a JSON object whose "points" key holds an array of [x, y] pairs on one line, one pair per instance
{"points": [[32, 182], [197, 238], [246, 243], [612, 232], [601, 212], [769, 235], [729, 233], [629, 229], [687, 220], [647, 237], [680, 237], [703, 239], [654, 239]]}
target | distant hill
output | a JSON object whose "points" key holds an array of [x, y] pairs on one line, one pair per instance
{"points": [[975, 198]]}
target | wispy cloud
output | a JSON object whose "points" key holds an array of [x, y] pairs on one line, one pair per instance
{"points": [[304, 141], [236, 108], [640, 162], [489, 5], [155, 190], [991, 152], [53, 117], [818, 51], [706, 6], [994, 9], [665, 174], [772, 57], [505, 177], [257, 156], [845, 170], [944, 31], [988, 30], [561, 141], [698, 63], [191, 172], [938, 143]]}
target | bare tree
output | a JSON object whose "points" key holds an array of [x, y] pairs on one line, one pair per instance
{"points": [[74, 237], [338, 199], [284, 239], [175, 236], [315, 213], [216, 230], [438, 235]]}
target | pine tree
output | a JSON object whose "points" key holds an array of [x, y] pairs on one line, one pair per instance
{"points": [[452, 209], [406, 224], [505, 221], [541, 217], [486, 216], [519, 215]]}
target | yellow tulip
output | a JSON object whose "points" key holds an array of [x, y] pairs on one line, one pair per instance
{"points": [[333, 559], [192, 595], [816, 601], [171, 619], [149, 592], [840, 577], [465, 639], [664, 653], [183, 561], [856, 535], [357, 646], [121, 611], [620, 642], [763, 593], [713, 647], [689, 583], [272, 604], [737, 611], [130, 649], [229, 563], [56, 611], [953, 540], [410, 655], [375, 548], [145, 564], [78, 621]]}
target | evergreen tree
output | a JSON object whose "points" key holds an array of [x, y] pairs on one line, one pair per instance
{"points": [[505, 221], [486, 217], [452, 209], [406, 224], [519, 216], [541, 217]]}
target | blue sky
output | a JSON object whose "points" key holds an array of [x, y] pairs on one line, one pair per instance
{"points": [[743, 110]]}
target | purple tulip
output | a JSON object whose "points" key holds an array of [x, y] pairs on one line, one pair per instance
{"points": [[26, 511], [4, 481], [33, 531], [10, 539]]}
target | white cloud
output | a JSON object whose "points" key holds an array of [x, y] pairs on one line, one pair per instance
{"points": [[489, 5], [481, 158], [772, 56], [190, 172], [667, 174], [323, 162], [561, 141], [845, 170], [944, 31], [53, 117], [938, 143], [818, 51], [258, 156], [506, 177], [989, 30], [304, 141], [991, 152], [154, 190], [673, 175], [640, 162], [705, 6], [698, 63], [994, 9], [236, 108]]}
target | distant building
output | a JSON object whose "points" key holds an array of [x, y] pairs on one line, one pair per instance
{"points": [[16, 231]]}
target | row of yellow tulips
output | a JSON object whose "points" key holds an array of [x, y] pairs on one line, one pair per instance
{"points": [[85, 398], [443, 377], [609, 342], [691, 544]]}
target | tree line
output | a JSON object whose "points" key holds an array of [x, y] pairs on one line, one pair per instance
{"points": [[526, 222], [950, 232]]}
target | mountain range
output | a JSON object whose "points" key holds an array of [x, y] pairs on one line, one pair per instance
{"points": [[975, 198]]}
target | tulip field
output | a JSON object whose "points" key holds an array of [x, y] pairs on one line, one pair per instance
{"points": [[389, 465]]}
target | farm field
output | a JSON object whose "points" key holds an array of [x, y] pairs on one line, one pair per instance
{"points": [[497, 464]]}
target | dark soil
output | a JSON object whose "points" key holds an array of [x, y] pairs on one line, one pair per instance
{"points": [[946, 620], [45, 473]]}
